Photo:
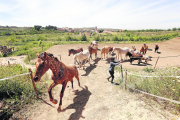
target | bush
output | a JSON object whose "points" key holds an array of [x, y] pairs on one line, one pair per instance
{"points": [[83, 38], [16, 91]]}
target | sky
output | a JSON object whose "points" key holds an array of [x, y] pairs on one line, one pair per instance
{"points": [[115, 14]]}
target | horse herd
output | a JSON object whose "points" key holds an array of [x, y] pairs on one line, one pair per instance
{"points": [[80, 55], [61, 73]]}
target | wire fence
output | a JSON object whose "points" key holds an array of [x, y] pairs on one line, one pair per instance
{"points": [[163, 84], [17, 88]]}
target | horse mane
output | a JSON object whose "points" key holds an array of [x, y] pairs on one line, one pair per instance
{"points": [[50, 55]]}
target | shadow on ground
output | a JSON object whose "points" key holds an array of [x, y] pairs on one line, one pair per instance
{"points": [[79, 103], [91, 67]]}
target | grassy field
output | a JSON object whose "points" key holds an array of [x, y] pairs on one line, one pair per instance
{"points": [[167, 87], [38, 41]]}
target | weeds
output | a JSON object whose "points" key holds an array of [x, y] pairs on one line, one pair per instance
{"points": [[165, 85], [15, 92]]}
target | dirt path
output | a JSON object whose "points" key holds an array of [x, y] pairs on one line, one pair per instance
{"points": [[98, 99]]}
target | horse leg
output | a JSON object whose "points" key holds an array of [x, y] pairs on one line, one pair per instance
{"points": [[77, 62], [121, 56], [80, 64], [61, 95], [89, 60], [50, 93], [91, 56], [77, 77], [72, 83], [131, 60], [96, 55]]}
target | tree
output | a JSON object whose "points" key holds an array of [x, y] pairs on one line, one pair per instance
{"points": [[49, 27], [83, 38], [37, 27], [174, 29]]}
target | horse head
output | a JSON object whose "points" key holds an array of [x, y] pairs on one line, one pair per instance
{"points": [[70, 51], [114, 48], [128, 54], [41, 66]]}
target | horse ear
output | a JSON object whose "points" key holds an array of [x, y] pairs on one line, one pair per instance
{"points": [[37, 54], [45, 54]]}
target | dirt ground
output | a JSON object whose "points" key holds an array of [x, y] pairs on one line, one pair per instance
{"points": [[98, 99]]}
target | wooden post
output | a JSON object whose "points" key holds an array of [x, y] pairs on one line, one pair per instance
{"points": [[125, 80], [156, 62], [28, 56], [60, 57], [8, 63], [121, 72], [33, 82]]}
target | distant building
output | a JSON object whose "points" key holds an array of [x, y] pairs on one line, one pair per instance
{"points": [[88, 34]]}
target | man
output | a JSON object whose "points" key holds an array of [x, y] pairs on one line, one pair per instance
{"points": [[111, 68]]}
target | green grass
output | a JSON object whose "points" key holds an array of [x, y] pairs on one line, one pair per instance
{"points": [[167, 87], [33, 43], [18, 91]]}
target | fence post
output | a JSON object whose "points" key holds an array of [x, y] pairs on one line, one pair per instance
{"points": [[121, 72], [33, 82], [156, 62], [28, 56], [8, 63], [125, 80]]}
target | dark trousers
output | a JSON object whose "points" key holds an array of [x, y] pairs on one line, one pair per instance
{"points": [[112, 75]]}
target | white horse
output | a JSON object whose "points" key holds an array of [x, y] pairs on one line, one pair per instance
{"points": [[121, 51], [81, 56], [94, 43], [134, 51], [146, 58]]}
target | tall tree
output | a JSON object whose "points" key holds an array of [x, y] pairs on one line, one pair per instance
{"points": [[37, 27]]}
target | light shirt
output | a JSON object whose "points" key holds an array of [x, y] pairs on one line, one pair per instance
{"points": [[112, 65]]}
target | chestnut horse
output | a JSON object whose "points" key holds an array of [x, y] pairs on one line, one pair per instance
{"points": [[61, 73], [73, 51], [106, 50], [93, 50], [144, 49]]}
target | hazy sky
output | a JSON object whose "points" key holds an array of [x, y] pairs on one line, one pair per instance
{"points": [[119, 14]]}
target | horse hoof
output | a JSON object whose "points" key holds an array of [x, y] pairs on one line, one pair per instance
{"points": [[59, 109], [54, 101]]}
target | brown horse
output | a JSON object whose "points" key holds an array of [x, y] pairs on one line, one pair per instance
{"points": [[94, 43], [73, 51], [106, 50], [93, 50], [144, 49], [156, 48], [61, 73]]}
